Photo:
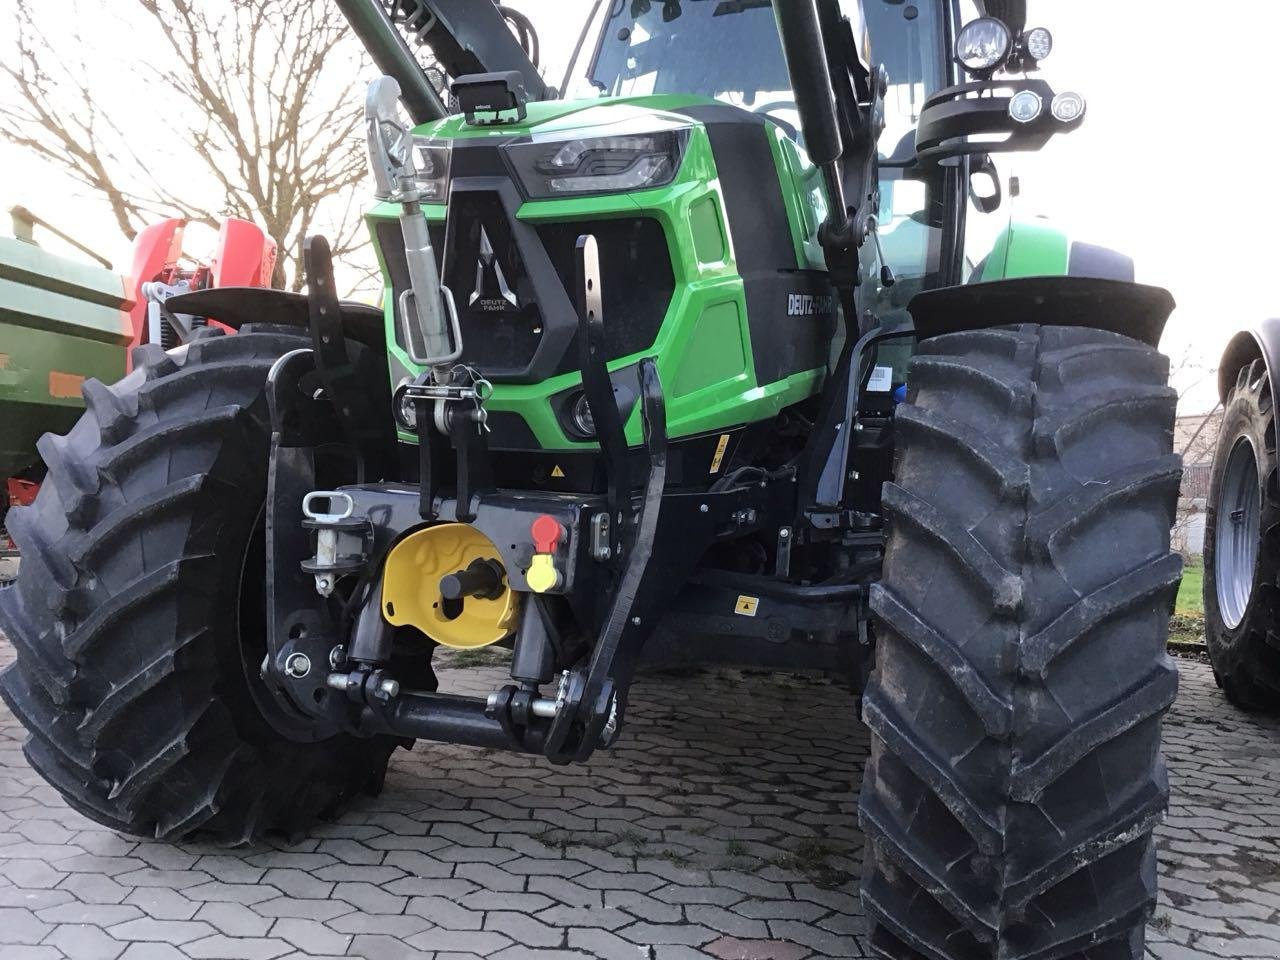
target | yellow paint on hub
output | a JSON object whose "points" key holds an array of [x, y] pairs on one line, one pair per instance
{"points": [[411, 588]]}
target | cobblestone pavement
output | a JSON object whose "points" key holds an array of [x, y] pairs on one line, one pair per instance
{"points": [[722, 825]]}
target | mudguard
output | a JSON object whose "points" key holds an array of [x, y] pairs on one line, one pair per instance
{"points": [[1262, 340], [235, 306], [1131, 309]]}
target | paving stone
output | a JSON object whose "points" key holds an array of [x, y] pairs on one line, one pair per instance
{"points": [[229, 869], [403, 926], [689, 934], [234, 919], [20, 925], [732, 948], [93, 888], [317, 910], [727, 922], [163, 904], [297, 883], [310, 935], [221, 947], [607, 945], [824, 942], [219, 892], [523, 929], [83, 942], [381, 947], [473, 941], [33, 899], [161, 931], [98, 914], [445, 913]]}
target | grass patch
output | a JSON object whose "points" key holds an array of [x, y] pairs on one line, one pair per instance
{"points": [[477, 657], [1190, 599], [810, 857]]}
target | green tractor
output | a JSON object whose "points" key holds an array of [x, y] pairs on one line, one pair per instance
{"points": [[699, 362]]}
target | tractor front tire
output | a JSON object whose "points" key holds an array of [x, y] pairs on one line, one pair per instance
{"points": [[1242, 547], [1015, 773], [138, 615]]}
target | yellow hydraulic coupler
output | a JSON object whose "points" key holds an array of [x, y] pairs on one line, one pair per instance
{"points": [[448, 581]]}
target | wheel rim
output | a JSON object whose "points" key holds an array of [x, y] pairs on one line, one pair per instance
{"points": [[1239, 527]]}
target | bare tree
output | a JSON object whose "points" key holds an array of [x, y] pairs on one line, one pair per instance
{"points": [[271, 120]]}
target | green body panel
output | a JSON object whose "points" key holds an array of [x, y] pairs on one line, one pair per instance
{"points": [[703, 347], [60, 323], [1028, 248]]}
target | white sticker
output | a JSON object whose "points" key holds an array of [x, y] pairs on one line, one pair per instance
{"points": [[881, 380]]}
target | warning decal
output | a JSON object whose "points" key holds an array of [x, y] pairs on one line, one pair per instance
{"points": [[746, 606], [721, 446]]}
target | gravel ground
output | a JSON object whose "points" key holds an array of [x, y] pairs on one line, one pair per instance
{"points": [[722, 825]]}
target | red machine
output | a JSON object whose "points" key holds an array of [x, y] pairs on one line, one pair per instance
{"points": [[243, 257]]}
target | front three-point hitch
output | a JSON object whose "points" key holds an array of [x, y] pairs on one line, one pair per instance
{"points": [[571, 581], [375, 575]]}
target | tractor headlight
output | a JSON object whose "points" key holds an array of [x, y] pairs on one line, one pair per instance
{"points": [[580, 415], [431, 160], [983, 45], [607, 164]]}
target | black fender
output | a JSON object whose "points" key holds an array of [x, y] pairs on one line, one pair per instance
{"points": [[1131, 309], [1262, 340], [236, 306]]}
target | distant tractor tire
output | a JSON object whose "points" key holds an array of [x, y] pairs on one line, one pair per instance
{"points": [[1015, 774], [138, 616], [1242, 547]]}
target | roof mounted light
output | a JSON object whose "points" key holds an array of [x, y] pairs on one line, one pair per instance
{"points": [[1037, 43], [983, 45]]}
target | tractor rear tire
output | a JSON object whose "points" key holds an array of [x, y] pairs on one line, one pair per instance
{"points": [[1242, 548], [1015, 774], [138, 619]]}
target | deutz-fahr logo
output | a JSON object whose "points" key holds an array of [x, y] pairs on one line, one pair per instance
{"points": [[809, 304], [492, 293]]}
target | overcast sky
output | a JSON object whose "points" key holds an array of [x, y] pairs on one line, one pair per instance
{"points": [[1171, 166]]}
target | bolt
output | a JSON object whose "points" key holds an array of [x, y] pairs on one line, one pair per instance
{"points": [[336, 656], [337, 681], [784, 533], [703, 508], [298, 665], [389, 688], [635, 621]]}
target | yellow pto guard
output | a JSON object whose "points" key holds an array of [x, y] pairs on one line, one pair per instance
{"points": [[411, 592]]}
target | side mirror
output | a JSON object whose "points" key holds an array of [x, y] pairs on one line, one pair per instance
{"points": [[987, 200]]}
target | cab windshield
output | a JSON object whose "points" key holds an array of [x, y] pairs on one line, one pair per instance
{"points": [[726, 49], [730, 50]]}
